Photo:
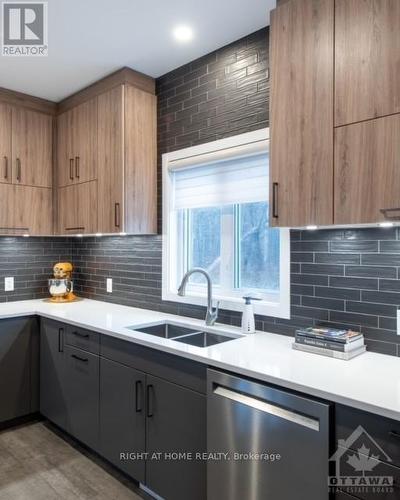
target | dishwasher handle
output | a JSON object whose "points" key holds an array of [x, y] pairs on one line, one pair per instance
{"points": [[266, 407]]}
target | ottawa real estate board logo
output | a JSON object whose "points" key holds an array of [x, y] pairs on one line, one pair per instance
{"points": [[24, 29]]}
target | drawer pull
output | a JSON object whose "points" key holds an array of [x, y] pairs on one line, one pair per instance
{"points": [[394, 434], [82, 335], [84, 360]]}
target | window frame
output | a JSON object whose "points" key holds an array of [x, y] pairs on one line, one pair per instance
{"points": [[194, 294]]}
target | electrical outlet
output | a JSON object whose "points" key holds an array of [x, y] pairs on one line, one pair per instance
{"points": [[109, 285], [9, 284]]}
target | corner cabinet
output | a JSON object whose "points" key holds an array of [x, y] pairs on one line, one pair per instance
{"points": [[335, 111], [26, 171], [127, 161], [19, 362], [301, 149], [108, 144], [77, 144], [77, 208]]}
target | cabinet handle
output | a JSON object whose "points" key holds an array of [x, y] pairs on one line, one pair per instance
{"points": [[275, 187], [18, 169], [82, 335], [77, 173], [117, 215], [6, 167], [138, 396], [61, 340], [84, 360], [267, 407], [394, 434], [387, 211], [78, 228], [71, 169], [149, 400]]}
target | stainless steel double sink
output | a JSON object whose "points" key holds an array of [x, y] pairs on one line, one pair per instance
{"points": [[185, 335]]}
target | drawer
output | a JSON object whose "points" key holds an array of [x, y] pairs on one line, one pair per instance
{"points": [[175, 369], [389, 487], [81, 389], [384, 431], [82, 339]]}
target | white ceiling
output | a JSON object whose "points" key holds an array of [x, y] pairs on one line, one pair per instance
{"points": [[89, 39]]}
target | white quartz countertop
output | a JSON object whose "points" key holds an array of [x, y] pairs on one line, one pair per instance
{"points": [[370, 382]]}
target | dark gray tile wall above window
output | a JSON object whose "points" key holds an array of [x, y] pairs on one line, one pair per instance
{"points": [[221, 94]]}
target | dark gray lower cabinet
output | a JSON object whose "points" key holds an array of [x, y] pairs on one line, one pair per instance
{"points": [[117, 409], [17, 367], [82, 395], [122, 417], [69, 385], [176, 424], [53, 404]]}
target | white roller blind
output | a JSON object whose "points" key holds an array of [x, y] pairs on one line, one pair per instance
{"points": [[242, 179]]}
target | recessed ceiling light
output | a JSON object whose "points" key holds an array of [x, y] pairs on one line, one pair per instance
{"points": [[183, 33], [386, 224], [311, 228]]}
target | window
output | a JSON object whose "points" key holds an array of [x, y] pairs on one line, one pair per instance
{"points": [[215, 216]]}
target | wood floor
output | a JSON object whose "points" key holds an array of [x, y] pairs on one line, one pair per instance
{"points": [[37, 464]]}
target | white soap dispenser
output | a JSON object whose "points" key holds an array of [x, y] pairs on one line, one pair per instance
{"points": [[248, 323]]}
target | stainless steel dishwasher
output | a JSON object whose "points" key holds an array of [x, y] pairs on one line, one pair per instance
{"points": [[246, 418]]}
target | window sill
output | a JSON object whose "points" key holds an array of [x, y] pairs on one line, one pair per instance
{"points": [[263, 308]]}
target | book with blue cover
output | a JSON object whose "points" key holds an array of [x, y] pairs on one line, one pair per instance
{"points": [[329, 334]]}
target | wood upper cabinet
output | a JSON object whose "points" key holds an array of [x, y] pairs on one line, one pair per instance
{"points": [[77, 208], [5, 143], [111, 207], [301, 149], [367, 171], [367, 59], [25, 209], [85, 140], [77, 144], [127, 162], [32, 148], [140, 161], [65, 153]]}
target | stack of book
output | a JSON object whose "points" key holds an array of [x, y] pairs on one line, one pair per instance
{"points": [[340, 344]]}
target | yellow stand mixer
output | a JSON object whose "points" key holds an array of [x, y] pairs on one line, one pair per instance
{"points": [[61, 286]]}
